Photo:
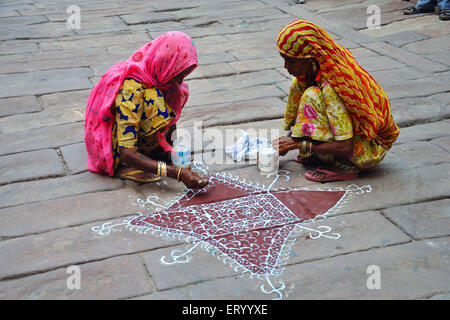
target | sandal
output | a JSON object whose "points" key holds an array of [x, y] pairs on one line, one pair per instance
{"points": [[415, 10], [139, 176], [323, 175], [444, 14]]}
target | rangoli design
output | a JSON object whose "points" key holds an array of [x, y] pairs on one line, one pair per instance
{"points": [[250, 227]]}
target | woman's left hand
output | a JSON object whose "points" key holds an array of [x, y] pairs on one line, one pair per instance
{"points": [[285, 144]]}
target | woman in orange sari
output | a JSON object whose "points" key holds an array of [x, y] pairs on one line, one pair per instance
{"points": [[339, 117]]}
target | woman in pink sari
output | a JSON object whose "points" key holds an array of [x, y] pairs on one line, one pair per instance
{"points": [[133, 109]]}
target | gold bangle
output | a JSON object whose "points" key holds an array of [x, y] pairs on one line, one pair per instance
{"points": [[158, 173], [178, 174], [163, 169], [303, 150]]}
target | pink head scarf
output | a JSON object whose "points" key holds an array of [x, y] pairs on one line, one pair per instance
{"points": [[153, 65]]}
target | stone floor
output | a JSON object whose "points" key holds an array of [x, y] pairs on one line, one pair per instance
{"points": [[49, 202]]}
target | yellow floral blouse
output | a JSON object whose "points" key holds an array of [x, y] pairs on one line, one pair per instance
{"points": [[320, 113], [140, 113]]}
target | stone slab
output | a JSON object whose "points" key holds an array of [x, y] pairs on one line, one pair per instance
{"points": [[409, 271], [116, 278], [254, 53], [379, 63], [175, 294], [402, 38], [41, 82], [444, 143], [92, 41], [30, 165], [7, 68], [19, 105], [157, 29], [233, 288], [358, 232], [417, 185], [405, 57], [235, 95], [38, 31], [67, 212], [442, 296], [75, 157], [256, 64], [264, 77], [232, 113], [413, 155], [422, 87], [75, 62], [440, 57], [213, 58], [421, 23], [49, 55], [70, 99], [212, 71], [42, 138], [224, 10], [424, 132], [433, 28], [422, 220], [147, 17], [49, 117], [201, 266], [22, 21], [330, 25], [12, 47], [387, 78], [432, 45], [101, 25], [76, 245], [357, 17], [34, 191]]}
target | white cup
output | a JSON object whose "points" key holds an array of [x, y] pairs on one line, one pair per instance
{"points": [[268, 160]]}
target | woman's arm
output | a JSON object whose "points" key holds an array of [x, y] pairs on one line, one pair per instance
{"points": [[338, 148], [135, 159]]}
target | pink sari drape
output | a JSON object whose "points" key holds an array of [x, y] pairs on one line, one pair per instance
{"points": [[154, 65]]}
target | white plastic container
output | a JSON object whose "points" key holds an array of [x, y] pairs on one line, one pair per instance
{"points": [[268, 161], [182, 154]]}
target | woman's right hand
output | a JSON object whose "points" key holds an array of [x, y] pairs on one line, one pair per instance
{"points": [[192, 180]]}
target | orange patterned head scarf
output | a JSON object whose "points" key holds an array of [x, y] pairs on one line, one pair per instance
{"points": [[364, 98]]}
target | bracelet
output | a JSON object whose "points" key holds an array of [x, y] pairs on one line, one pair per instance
{"points": [[163, 169], [179, 173], [304, 153]]}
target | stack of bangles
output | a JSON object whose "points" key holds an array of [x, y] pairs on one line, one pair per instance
{"points": [[305, 151], [162, 170]]}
